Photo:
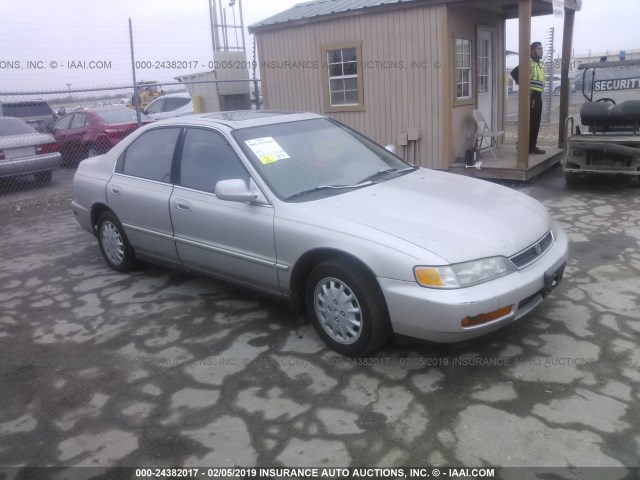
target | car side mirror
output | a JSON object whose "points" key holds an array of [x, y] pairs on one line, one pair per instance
{"points": [[62, 111], [236, 190]]}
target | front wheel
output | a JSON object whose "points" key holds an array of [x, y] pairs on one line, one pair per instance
{"points": [[115, 247], [347, 308], [572, 178]]}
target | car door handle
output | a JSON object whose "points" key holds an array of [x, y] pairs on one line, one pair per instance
{"points": [[182, 205], [115, 189]]}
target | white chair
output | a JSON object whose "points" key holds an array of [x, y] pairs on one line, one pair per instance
{"points": [[484, 132]]}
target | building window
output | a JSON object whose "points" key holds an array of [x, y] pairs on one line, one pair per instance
{"points": [[483, 65], [463, 68], [343, 78]]}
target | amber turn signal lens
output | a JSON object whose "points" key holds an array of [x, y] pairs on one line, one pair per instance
{"points": [[485, 317]]}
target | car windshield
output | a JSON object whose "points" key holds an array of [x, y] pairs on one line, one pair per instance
{"points": [[27, 109], [120, 115], [316, 156], [13, 126]]}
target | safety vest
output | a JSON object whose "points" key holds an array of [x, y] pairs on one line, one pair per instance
{"points": [[536, 76]]}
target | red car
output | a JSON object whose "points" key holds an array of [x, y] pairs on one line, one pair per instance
{"points": [[91, 132]]}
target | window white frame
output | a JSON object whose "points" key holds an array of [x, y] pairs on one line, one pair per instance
{"points": [[464, 68], [342, 77]]}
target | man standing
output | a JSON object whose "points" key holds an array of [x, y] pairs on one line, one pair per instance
{"points": [[536, 78]]}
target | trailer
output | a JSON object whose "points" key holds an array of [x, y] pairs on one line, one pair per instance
{"points": [[611, 144]]}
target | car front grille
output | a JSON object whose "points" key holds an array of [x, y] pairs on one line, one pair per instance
{"points": [[534, 252]]}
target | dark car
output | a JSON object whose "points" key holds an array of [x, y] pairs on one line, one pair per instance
{"points": [[91, 132], [36, 113]]}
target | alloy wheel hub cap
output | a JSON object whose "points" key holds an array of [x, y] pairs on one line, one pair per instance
{"points": [[339, 311], [112, 243]]}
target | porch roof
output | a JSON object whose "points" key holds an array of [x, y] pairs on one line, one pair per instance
{"points": [[318, 10]]}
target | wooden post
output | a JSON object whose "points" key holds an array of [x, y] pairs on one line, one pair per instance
{"points": [[565, 91], [524, 90], [446, 74]]}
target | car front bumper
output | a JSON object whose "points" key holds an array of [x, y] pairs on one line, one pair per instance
{"points": [[27, 165], [436, 314]]}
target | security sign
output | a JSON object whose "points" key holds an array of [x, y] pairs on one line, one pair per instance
{"points": [[616, 84]]}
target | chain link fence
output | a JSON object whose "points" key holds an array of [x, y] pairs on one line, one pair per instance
{"points": [[43, 133]]}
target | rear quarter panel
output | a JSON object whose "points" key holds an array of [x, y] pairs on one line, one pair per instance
{"points": [[89, 188]]}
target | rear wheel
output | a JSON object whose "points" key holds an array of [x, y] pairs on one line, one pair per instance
{"points": [[43, 178], [347, 308], [115, 247], [92, 151]]}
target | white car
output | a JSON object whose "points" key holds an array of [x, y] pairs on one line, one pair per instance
{"points": [[555, 84], [304, 208], [170, 105]]}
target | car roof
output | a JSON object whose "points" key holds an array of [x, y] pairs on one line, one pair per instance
{"points": [[241, 118], [99, 109], [22, 102]]}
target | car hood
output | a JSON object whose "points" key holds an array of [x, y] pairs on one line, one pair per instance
{"points": [[454, 217]]}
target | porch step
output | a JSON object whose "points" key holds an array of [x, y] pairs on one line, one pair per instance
{"points": [[506, 168]]}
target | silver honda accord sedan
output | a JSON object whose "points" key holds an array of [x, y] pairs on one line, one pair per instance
{"points": [[302, 207]]}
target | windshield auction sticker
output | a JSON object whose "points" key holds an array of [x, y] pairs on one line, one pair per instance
{"points": [[267, 150]]}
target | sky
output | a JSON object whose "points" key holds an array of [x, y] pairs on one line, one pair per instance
{"points": [[43, 43]]}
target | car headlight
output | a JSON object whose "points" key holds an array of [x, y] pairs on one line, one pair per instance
{"points": [[464, 274]]}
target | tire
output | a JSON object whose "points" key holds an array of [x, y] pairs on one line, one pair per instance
{"points": [[114, 245], [91, 151], [358, 302], [556, 91], [43, 178], [572, 178]]}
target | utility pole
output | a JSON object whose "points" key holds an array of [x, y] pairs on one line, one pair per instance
{"points": [[549, 73], [136, 97]]}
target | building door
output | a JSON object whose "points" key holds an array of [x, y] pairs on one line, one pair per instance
{"points": [[486, 82]]}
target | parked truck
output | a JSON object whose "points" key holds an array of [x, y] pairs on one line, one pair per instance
{"points": [[611, 143]]}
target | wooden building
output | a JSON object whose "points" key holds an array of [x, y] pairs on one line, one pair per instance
{"points": [[403, 72]]}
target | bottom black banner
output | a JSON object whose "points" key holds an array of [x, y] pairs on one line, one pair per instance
{"points": [[277, 473]]}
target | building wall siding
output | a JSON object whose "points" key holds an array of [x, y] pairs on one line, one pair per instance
{"points": [[402, 74]]}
